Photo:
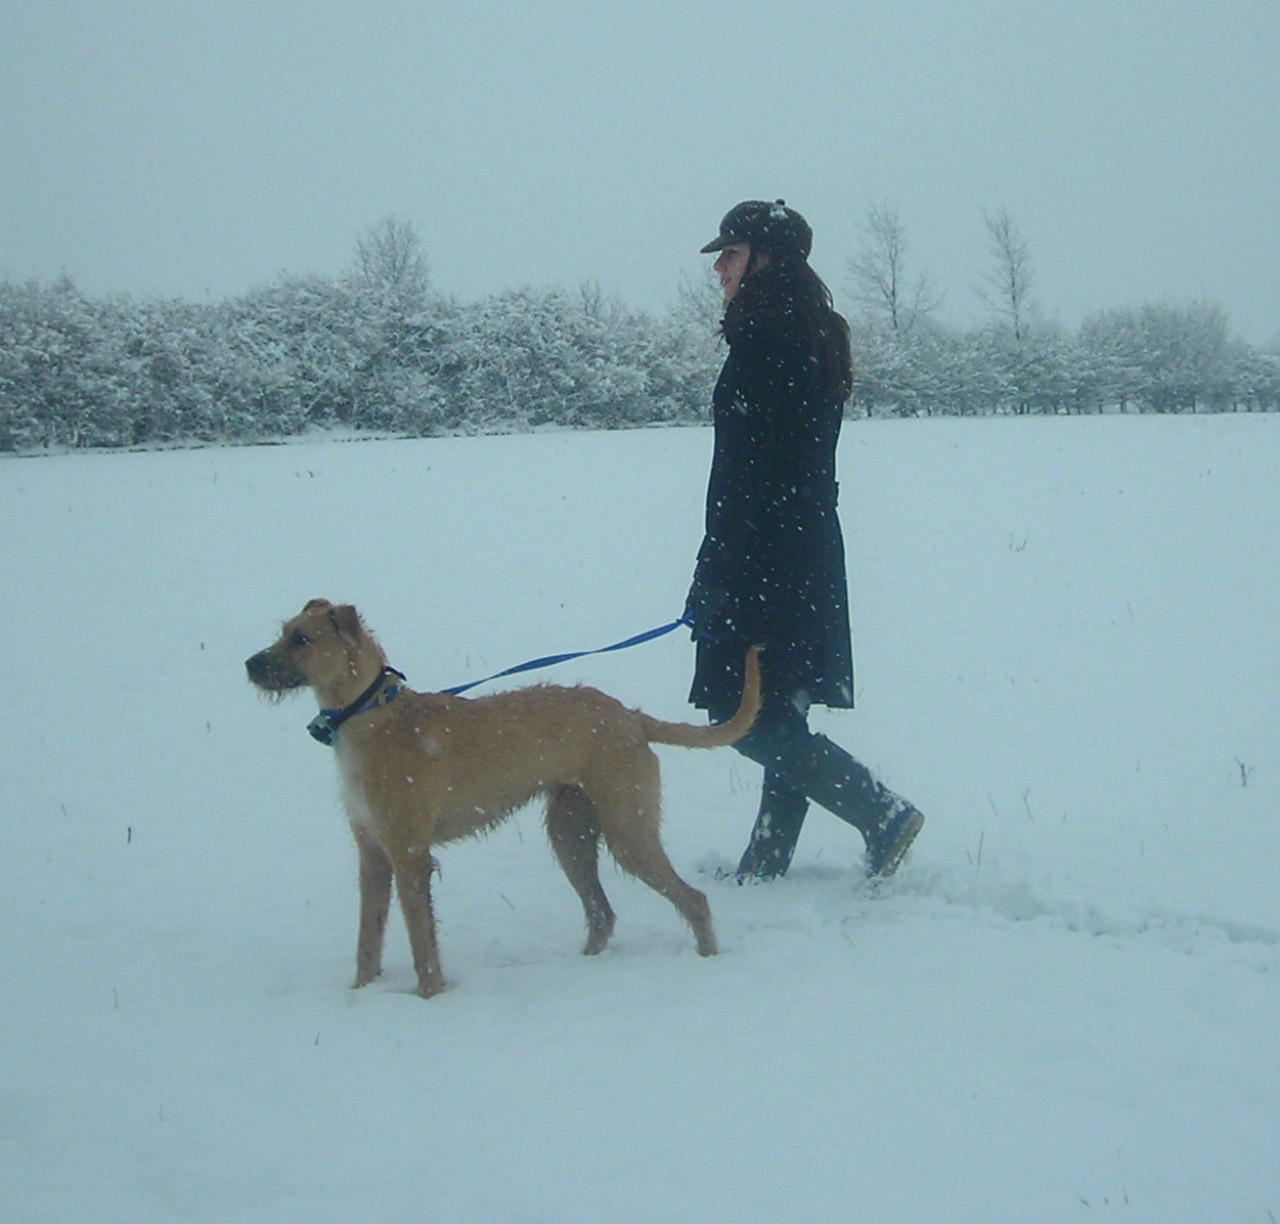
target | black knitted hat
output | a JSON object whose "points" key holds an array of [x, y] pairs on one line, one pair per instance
{"points": [[768, 227]]}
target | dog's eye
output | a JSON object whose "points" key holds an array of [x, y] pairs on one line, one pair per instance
{"points": [[299, 640]]}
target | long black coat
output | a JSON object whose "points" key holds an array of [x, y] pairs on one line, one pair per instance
{"points": [[771, 567]]}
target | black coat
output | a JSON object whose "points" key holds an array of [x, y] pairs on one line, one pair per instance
{"points": [[771, 568]]}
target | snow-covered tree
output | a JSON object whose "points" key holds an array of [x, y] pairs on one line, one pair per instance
{"points": [[1163, 357]]}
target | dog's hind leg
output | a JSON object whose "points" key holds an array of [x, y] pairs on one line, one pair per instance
{"points": [[575, 838], [628, 803], [413, 883], [375, 900]]}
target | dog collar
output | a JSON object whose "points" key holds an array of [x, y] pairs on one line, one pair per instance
{"points": [[324, 726]]}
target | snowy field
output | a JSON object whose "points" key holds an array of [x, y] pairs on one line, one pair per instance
{"points": [[1064, 1007]]}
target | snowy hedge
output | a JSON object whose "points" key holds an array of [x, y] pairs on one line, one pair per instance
{"points": [[359, 352]]}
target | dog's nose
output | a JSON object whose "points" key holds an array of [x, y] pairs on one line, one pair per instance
{"points": [[256, 665]]}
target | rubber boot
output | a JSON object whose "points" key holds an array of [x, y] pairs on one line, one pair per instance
{"points": [[837, 782], [776, 831]]}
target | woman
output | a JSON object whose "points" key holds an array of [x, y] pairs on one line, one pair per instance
{"points": [[771, 567]]}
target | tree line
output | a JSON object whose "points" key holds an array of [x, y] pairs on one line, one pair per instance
{"points": [[1159, 357], [376, 349]]}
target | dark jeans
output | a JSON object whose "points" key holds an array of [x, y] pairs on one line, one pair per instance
{"points": [[799, 766], [779, 736]]}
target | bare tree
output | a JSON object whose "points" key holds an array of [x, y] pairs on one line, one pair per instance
{"points": [[1007, 287], [389, 256], [879, 274]]}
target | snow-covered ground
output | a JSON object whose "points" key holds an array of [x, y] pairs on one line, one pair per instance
{"points": [[1064, 1006]]}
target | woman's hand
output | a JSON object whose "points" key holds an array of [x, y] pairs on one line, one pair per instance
{"points": [[715, 614]]}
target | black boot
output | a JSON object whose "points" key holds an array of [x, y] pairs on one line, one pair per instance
{"points": [[776, 831], [833, 779]]}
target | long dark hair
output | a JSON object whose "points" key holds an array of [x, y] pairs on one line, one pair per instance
{"points": [[786, 286]]}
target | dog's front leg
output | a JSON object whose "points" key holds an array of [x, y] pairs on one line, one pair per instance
{"points": [[413, 882], [375, 900]]}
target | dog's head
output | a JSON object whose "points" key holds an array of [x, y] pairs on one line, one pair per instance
{"points": [[325, 648]]}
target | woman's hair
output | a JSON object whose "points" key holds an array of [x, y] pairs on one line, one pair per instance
{"points": [[787, 287]]}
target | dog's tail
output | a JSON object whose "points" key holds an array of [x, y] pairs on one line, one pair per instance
{"points": [[713, 735]]}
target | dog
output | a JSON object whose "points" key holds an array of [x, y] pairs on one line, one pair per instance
{"points": [[419, 770]]}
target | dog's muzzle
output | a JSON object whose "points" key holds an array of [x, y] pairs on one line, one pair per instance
{"points": [[267, 672]]}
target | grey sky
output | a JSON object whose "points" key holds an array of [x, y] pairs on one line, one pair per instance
{"points": [[197, 148]]}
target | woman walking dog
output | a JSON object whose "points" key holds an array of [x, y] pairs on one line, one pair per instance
{"points": [[771, 566]]}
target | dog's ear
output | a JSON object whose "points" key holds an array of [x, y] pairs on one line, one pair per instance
{"points": [[346, 620], [313, 604]]}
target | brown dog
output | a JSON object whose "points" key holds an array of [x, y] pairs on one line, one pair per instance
{"points": [[422, 769]]}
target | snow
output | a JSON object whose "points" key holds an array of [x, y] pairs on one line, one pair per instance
{"points": [[1063, 1006]]}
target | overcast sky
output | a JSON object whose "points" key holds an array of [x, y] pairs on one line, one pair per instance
{"points": [[197, 148]]}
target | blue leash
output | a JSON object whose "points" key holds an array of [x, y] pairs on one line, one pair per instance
{"points": [[547, 661]]}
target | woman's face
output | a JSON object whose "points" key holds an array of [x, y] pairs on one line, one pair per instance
{"points": [[731, 267]]}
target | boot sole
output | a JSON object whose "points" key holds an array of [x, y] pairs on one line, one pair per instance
{"points": [[897, 852]]}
